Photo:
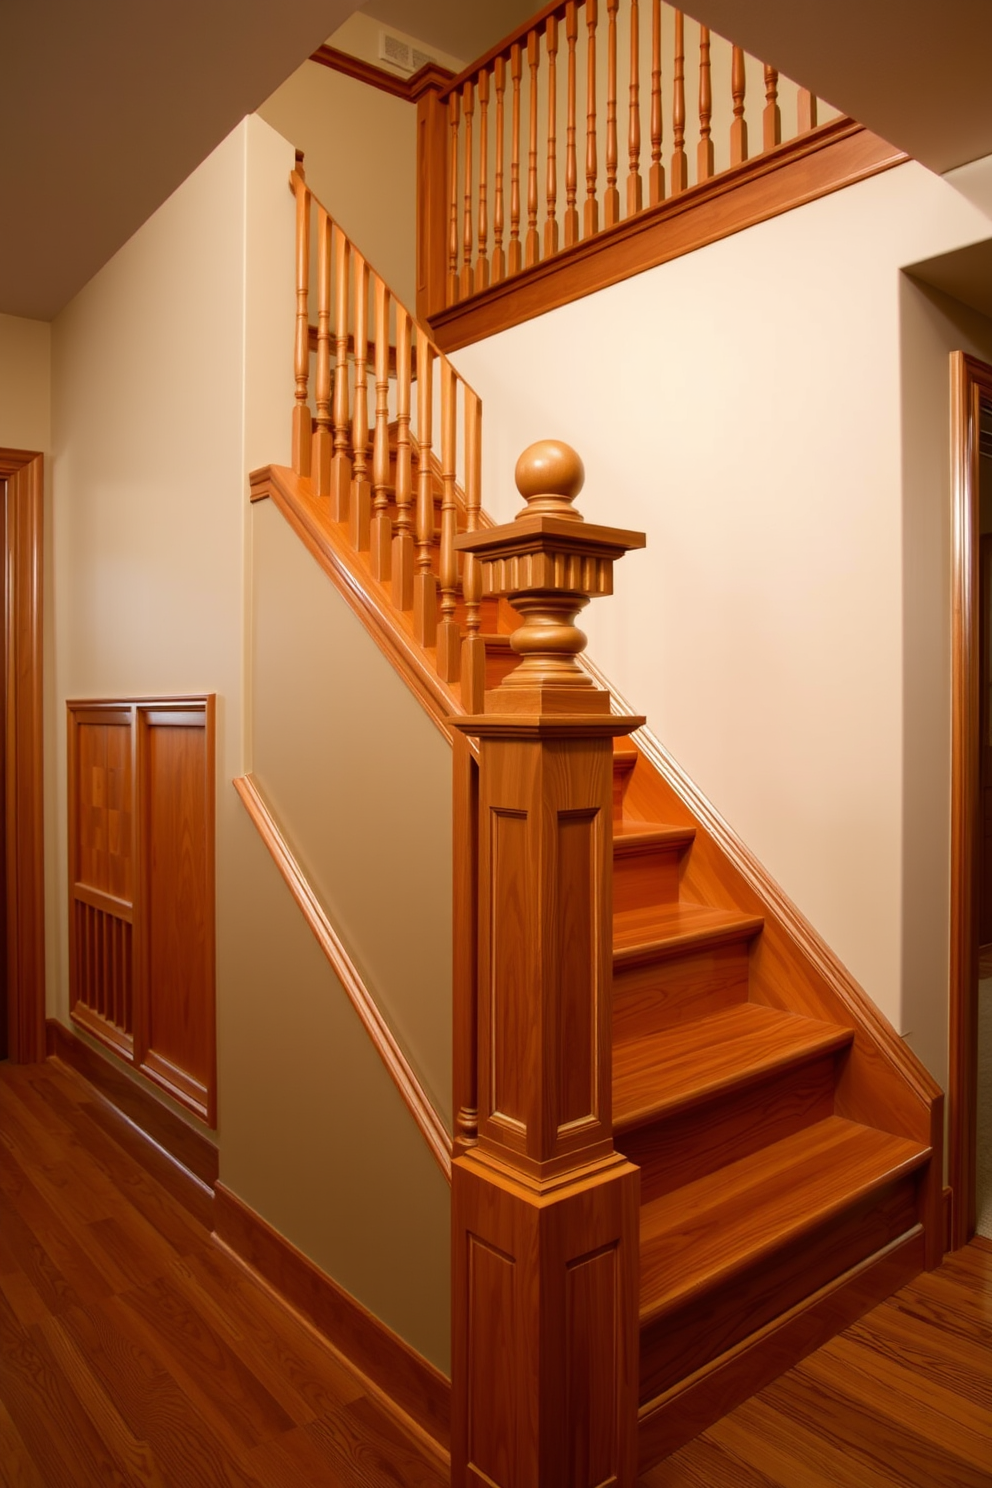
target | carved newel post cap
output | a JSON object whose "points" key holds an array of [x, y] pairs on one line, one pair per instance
{"points": [[549, 563], [549, 476]]}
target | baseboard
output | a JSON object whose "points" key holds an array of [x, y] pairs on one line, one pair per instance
{"points": [[405, 1382], [694, 1404], [173, 1152]]}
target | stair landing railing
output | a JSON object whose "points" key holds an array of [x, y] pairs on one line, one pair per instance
{"points": [[570, 126], [394, 428]]}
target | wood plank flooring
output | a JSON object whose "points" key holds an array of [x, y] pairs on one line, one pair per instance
{"points": [[136, 1351]]}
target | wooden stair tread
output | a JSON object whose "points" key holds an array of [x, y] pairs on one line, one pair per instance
{"points": [[688, 1063], [631, 837], [705, 1233], [666, 929]]}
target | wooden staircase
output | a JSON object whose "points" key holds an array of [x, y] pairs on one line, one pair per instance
{"points": [[788, 1142]]}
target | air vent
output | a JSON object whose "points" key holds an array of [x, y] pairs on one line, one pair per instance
{"points": [[398, 52]]}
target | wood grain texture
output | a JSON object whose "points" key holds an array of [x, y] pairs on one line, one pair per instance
{"points": [[23, 481], [415, 1098], [834, 156], [417, 1392], [971, 389], [137, 1350]]}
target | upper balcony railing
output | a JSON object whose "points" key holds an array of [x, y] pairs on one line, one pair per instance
{"points": [[593, 114]]}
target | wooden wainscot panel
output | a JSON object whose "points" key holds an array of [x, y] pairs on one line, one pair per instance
{"points": [[101, 871], [176, 786], [141, 886]]}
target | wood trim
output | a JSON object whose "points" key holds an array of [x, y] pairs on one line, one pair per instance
{"points": [[23, 471], [405, 1383], [178, 1156], [695, 1403], [971, 386], [411, 89], [812, 165], [415, 1098]]}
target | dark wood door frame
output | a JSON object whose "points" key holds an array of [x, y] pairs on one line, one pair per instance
{"points": [[23, 471], [971, 387]]}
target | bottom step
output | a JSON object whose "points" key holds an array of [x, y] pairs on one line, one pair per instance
{"points": [[683, 1412], [724, 1256]]}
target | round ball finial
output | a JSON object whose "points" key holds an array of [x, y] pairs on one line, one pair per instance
{"points": [[549, 476]]}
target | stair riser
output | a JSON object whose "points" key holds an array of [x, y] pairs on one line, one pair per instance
{"points": [[676, 1344], [689, 1144], [644, 878], [678, 989], [623, 768], [499, 664]]}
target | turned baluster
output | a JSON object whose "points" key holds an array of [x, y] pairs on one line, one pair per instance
{"points": [[382, 528], [591, 217], [424, 582], [448, 636], [704, 154], [453, 201], [656, 176], [482, 260], [771, 119], [302, 425], [551, 223], [473, 674], [516, 254], [532, 251], [359, 510], [323, 438], [402, 557], [738, 129], [635, 188], [611, 199], [468, 109], [499, 257], [806, 111], [680, 163], [341, 459], [571, 162]]}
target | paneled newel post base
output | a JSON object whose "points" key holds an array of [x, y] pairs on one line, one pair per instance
{"points": [[545, 1212]]}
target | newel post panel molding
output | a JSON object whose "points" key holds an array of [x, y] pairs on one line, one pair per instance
{"points": [[545, 1211]]}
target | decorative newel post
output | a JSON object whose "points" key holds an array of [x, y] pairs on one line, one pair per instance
{"points": [[544, 1210]]}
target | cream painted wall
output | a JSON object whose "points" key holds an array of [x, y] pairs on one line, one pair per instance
{"points": [[25, 383], [360, 158], [359, 779], [172, 379], [749, 407]]}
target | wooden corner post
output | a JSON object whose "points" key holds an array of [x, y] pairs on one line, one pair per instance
{"points": [[432, 202], [544, 1210]]}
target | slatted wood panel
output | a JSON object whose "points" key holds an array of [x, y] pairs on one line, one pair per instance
{"points": [[141, 887]]}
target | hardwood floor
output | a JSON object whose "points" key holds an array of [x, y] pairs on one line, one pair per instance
{"points": [[135, 1350]]}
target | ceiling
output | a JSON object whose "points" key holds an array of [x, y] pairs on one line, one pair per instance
{"points": [[105, 108], [461, 29], [919, 72]]}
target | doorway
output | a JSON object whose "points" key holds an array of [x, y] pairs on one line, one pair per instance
{"points": [[22, 482], [971, 770]]}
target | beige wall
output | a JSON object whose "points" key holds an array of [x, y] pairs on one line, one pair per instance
{"points": [[359, 779], [360, 146], [25, 383], [749, 407], [172, 379]]}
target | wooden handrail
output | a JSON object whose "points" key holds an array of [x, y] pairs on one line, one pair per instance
{"points": [[620, 45]]}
